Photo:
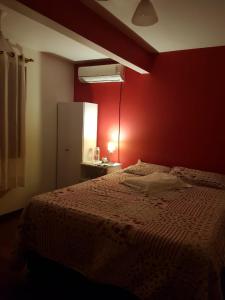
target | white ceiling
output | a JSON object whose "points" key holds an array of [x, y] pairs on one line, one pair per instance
{"points": [[183, 24], [34, 35]]}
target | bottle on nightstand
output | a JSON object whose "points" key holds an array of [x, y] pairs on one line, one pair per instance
{"points": [[97, 155]]}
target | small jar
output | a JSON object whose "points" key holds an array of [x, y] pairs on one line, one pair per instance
{"points": [[97, 154]]}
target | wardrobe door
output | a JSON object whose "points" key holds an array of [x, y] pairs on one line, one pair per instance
{"points": [[70, 139]]}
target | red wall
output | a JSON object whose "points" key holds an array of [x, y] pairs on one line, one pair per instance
{"points": [[174, 116]]}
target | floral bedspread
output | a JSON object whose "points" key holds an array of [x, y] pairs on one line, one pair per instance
{"points": [[171, 246]]}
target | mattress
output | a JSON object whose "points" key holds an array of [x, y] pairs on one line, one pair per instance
{"points": [[167, 246]]}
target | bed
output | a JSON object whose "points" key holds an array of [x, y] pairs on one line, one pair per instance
{"points": [[165, 246]]}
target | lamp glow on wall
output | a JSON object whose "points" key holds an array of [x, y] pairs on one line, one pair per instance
{"points": [[111, 147]]}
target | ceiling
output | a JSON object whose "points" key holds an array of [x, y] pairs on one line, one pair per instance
{"points": [[34, 35], [183, 24]]}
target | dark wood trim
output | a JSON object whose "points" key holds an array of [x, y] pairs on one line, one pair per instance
{"points": [[94, 62]]}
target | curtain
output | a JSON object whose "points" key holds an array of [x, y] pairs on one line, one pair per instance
{"points": [[12, 121]]}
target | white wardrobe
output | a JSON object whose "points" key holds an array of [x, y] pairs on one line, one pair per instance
{"points": [[77, 136]]}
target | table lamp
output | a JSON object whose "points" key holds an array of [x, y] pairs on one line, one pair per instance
{"points": [[111, 147]]}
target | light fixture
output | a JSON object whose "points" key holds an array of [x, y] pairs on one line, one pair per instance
{"points": [[111, 146], [145, 14]]}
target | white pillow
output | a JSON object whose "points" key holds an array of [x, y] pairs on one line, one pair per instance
{"points": [[142, 169], [199, 177], [155, 183]]}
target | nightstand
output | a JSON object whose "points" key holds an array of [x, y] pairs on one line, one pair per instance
{"points": [[91, 170]]}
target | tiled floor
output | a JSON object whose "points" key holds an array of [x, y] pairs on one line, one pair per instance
{"points": [[56, 283]]}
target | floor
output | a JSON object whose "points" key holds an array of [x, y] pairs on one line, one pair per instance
{"points": [[54, 283]]}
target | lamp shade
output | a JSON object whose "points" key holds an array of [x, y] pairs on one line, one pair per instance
{"points": [[145, 14]]}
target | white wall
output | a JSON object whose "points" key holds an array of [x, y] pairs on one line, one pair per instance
{"points": [[50, 79]]}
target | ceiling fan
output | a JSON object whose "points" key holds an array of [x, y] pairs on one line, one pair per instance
{"points": [[144, 15]]}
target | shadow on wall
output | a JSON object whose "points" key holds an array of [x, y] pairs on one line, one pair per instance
{"points": [[57, 85]]}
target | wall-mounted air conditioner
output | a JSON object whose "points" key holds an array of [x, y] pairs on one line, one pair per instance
{"points": [[102, 73]]}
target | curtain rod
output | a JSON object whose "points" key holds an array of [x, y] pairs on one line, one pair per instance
{"points": [[27, 60]]}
